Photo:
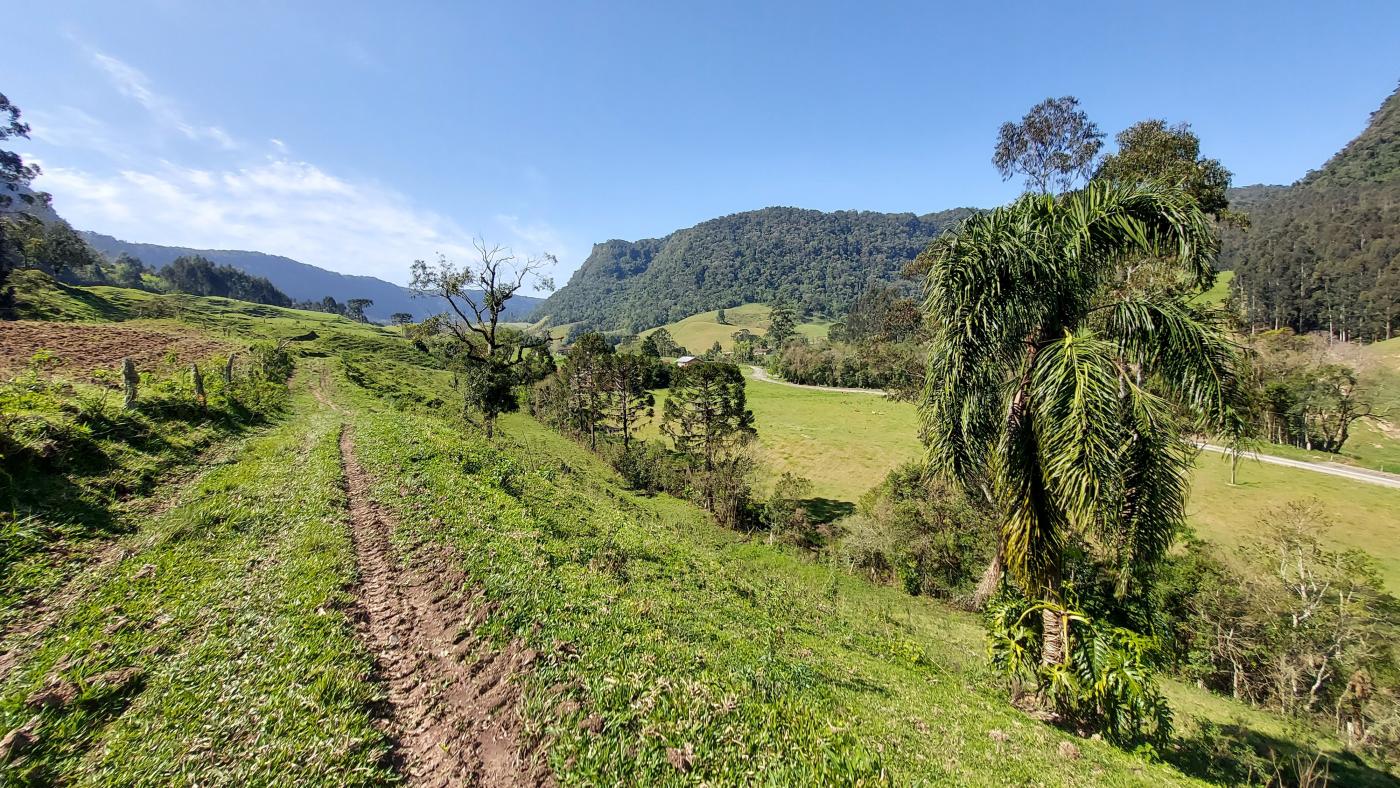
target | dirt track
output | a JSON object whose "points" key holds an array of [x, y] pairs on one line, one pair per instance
{"points": [[84, 348], [454, 705]]}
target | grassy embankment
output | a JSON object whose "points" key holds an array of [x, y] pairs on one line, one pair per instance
{"points": [[751, 661], [760, 662]]}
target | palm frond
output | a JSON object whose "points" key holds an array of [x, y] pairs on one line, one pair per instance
{"points": [[1189, 355], [1032, 526], [1076, 399]]}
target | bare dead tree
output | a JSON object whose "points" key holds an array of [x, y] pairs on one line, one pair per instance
{"points": [[477, 293]]}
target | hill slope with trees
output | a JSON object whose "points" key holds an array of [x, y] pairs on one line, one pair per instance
{"points": [[819, 261], [1324, 253]]}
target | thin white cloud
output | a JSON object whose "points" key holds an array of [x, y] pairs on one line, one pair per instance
{"points": [[281, 206], [245, 196], [533, 237], [132, 83], [70, 127]]}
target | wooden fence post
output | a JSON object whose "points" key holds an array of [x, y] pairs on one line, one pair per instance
{"points": [[129, 381], [198, 378]]}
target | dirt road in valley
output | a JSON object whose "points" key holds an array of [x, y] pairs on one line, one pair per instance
{"points": [[454, 702], [1364, 475], [759, 373]]}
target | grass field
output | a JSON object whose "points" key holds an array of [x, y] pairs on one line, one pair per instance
{"points": [[700, 331], [218, 645], [1218, 292], [846, 443]]}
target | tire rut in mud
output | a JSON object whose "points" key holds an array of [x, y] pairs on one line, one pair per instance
{"points": [[453, 705]]}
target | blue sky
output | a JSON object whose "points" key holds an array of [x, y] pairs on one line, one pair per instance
{"points": [[358, 136]]}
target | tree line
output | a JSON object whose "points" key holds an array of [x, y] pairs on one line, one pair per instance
{"points": [[1324, 254], [54, 248]]}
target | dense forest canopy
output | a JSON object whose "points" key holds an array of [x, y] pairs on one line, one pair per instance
{"points": [[820, 262], [199, 276], [1324, 254]]}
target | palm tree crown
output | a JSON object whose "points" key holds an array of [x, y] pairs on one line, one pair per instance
{"points": [[1071, 394]]}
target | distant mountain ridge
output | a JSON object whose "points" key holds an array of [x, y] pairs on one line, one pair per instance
{"points": [[299, 280], [820, 261]]}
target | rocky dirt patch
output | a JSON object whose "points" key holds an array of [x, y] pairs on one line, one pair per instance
{"points": [[85, 348]]}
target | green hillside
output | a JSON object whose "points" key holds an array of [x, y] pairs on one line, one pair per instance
{"points": [[697, 333], [619, 637], [819, 261], [1322, 253]]}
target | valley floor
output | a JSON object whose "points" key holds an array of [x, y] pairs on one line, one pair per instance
{"points": [[360, 594], [365, 591]]}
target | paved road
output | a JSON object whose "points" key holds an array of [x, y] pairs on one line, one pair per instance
{"points": [[1330, 468], [761, 374]]}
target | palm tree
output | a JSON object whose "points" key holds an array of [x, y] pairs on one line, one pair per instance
{"points": [[1067, 393]]}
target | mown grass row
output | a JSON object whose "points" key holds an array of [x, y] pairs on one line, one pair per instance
{"points": [[677, 652], [226, 629], [73, 462]]}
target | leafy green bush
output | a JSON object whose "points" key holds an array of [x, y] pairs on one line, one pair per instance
{"points": [[272, 362], [921, 534], [1107, 684]]}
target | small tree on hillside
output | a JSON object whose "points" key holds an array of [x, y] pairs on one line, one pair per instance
{"points": [[400, 319], [15, 177], [719, 317], [627, 401], [586, 373], [782, 323], [648, 347], [665, 345], [478, 293], [355, 309], [707, 416]]}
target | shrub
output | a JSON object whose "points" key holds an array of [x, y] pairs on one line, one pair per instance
{"points": [[272, 362], [1107, 684], [916, 531]]}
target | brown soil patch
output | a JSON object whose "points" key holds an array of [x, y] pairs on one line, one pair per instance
{"points": [[454, 705], [84, 348]]}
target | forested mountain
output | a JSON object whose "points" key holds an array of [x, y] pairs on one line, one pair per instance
{"points": [[1324, 253], [819, 261], [300, 281]]}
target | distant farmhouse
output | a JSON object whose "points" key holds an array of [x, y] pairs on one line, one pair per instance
{"points": [[685, 361]]}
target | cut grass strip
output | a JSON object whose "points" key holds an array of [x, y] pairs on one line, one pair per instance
{"points": [[242, 666]]}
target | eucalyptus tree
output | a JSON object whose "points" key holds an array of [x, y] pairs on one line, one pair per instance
{"points": [[1062, 398], [1054, 146]]}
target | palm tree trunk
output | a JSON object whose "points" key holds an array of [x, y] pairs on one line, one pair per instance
{"points": [[1052, 625], [991, 578]]}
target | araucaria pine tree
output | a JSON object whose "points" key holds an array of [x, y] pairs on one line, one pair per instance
{"points": [[707, 416]]}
